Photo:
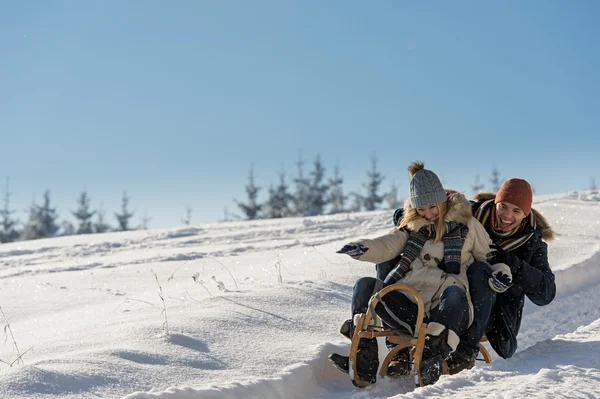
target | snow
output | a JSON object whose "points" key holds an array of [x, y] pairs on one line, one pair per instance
{"points": [[87, 313]]}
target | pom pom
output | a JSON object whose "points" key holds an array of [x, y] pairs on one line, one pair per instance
{"points": [[415, 167]]}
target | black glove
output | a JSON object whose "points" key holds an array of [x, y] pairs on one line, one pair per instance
{"points": [[452, 269], [498, 255], [353, 250]]}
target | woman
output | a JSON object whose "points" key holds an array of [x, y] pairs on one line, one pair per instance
{"points": [[437, 240]]}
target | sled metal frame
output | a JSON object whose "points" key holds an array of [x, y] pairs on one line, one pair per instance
{"points": [[366, 327]]}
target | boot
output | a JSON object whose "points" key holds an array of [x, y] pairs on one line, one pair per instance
{"points": [[347, 329], [400, 365], [463, 358], [367, 360], [439, 342], [340, 362]]}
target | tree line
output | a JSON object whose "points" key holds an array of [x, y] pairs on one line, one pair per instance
{"points": [[42, 221], [313, 194]]}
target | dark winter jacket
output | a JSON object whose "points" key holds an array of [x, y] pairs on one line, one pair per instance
{"points": [[533, 278]]}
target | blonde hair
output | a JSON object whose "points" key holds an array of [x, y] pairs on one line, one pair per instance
{"points": [[440, 222]]}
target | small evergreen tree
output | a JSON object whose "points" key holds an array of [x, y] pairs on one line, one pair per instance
{"points": [[301, 195], [495, 180], [317, 190], [278, 204], [252, 209], [83, 214], [125, 215], [477, 186], [336, 197], [100, 226], [372, 200], [48, 217], [42, 220], [145, 221], [187, 220], [593, 186], [8, 231]]}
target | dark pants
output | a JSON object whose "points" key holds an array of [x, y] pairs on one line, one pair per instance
{"points": [[398, 312], [483, 299]]}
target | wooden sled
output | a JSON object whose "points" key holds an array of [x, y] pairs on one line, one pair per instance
{"points": [[366, 327]]}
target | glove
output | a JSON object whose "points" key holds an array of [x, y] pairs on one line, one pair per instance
{"points": [[501, 278], [498, 255], [353, 250], [449, 269]]}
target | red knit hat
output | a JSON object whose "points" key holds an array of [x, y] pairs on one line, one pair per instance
{"points": [[517, 192]]}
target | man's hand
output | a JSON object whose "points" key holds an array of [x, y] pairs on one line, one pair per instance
{"points": [[353, 250], [498, 255], [501, 278]]}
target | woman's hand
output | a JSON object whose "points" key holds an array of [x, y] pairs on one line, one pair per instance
{"points": [[353, 250]]}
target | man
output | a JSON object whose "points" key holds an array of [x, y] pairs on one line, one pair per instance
{"points": [[518, 233]]}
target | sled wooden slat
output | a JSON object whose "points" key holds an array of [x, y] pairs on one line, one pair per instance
{"points": [[366, 328]]}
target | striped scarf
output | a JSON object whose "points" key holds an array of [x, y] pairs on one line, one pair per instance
{"points": [[453, 239], [510, 240]]}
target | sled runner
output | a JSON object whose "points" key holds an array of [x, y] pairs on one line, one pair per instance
{"points": [[366, 326]]}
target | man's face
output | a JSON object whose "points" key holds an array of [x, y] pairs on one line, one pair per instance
{"points": [[508, 216], [429, 212]]}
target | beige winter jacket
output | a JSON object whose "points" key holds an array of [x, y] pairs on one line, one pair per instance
{"points": [[425, 276]]}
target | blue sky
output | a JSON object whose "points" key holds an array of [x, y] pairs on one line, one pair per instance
{"points": [[173, 101]]}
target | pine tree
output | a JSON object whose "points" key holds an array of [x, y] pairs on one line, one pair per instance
{"points": [[392, 197], [145, 221], [317, 190], [278, 204], [336, 197], [125, 215], [372, 200], [593, 186], [42, 220], [478, 186], [100, 226], [301, 198], [495, 180], [83, 214], [252, 209], [8, 231], [187, 220]]}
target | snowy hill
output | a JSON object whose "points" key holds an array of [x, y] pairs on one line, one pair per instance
{"points": [[253, 310]]}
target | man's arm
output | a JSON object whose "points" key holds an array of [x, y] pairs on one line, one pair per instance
{"points": [[535, 279]]}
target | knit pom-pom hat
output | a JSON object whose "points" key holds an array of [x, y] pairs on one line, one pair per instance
{"points": [[425, 186]]}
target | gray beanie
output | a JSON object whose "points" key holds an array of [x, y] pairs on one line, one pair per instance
{"points": [[425, 187]]}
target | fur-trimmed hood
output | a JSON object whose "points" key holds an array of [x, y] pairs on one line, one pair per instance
{"points": [[459, 210], [541, 222]]}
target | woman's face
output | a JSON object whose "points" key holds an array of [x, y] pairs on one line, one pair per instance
{"points": [[508, 216], [429, 212]]}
